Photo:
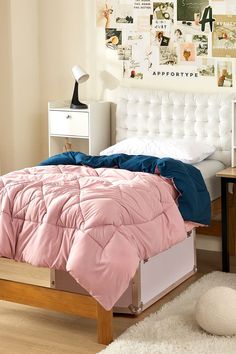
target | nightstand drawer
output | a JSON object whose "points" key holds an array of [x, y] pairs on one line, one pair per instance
{"points": [[69, 123]]}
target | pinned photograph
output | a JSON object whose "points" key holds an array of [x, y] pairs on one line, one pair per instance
{"points": [[187, 53], [189, 10], [124, 52], [156, 37], [165, 41], [224, 74], [178, 36], [224, 37], [131, 70], [168, 56], [113, 38], [111, 12], [163, 11], [206, 68], [140, 42], [124, 15], [201, 42], [105, 14]]}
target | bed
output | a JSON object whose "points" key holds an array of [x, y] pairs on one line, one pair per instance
{"points": [[147, 112]]}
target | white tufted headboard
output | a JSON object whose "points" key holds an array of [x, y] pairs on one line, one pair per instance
{"points": [[204, 117]]}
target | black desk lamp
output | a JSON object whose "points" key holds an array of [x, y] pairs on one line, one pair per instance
{"points": [[80, 76]]}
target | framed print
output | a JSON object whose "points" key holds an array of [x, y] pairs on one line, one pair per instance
{"points": [[224, 36]]}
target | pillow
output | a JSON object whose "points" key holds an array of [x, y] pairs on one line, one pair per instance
{"points": [[186, 150]]}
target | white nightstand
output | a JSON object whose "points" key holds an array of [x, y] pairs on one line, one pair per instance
{"points": [[88, 130]]}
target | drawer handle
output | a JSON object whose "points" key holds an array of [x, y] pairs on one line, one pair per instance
{"points": [[68, 117]]}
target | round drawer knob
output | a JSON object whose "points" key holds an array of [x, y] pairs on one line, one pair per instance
{"points": [[68, 117]]}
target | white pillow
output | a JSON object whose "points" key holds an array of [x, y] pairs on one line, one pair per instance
{"points": [[186, 150]]}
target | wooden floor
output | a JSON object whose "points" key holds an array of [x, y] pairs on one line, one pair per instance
{"points": [[27, 330]]}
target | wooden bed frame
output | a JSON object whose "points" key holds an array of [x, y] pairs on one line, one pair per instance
{"points": [[62, 301], [85, 305]]}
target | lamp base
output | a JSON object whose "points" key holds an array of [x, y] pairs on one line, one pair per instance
{"points": [[79, 106], [75, 102]]}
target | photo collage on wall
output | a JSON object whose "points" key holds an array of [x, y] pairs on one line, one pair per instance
{"points": [[171, 38]]}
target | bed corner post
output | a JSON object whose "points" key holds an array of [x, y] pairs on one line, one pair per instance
{"points": [[104, 325]]}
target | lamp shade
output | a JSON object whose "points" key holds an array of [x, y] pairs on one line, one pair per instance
{"points": [[79, 74]]}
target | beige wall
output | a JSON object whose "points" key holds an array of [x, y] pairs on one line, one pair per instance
{"points": [[6, 146], [19, 86], [26, 84], [41, 41], [5, 84], [63, 44]]}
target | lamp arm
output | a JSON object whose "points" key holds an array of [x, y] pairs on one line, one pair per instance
{"points": [[75, 103], [75, 99]]}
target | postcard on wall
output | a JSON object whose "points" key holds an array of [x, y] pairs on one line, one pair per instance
{"points": [[168, 56], [224, 74], [206, 67], [187, 53], [139, 42], [178, 35], [201, 42], [105, 14], [224, 36], [163, 11], [159, 38], [124, 14], [132, 70], [113, 38], [191, 10], [124, 52], [114, 13]]}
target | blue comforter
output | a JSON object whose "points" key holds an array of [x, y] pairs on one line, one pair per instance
{"points": [[194, 200]]}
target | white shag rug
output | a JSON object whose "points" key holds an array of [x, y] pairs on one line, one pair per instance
{"points": [[173, 329]]}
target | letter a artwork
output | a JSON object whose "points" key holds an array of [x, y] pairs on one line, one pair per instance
{"points": [[207, 18]]}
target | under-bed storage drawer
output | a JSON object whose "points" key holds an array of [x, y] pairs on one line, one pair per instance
{"points": [[69, 123], [153, 279], [165, 269]]}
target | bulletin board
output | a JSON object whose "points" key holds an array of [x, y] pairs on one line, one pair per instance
{"points": [[168, 39]]}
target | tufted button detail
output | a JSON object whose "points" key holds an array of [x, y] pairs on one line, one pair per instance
{"points": [[204, 117]]}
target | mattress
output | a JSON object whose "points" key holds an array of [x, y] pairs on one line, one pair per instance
{"points": [[208, 169]]}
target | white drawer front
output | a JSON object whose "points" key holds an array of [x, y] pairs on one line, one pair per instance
{"points": [[69, 123]]}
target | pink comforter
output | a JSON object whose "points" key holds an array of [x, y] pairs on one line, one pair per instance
{"points": [[96, 224]]}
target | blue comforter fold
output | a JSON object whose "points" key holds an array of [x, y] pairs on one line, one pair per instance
{"points": [[194, 200]]}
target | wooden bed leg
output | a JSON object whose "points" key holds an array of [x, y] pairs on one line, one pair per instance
{"points": [[104, 325]]}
